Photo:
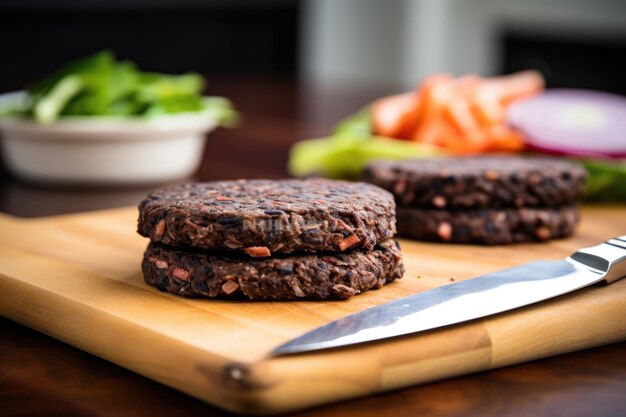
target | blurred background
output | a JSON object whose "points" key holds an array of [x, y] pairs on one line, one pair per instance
{"points": [[294, 68], [575, 43]]}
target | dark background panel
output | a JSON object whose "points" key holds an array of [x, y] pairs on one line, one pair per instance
{"points": [[572, 61], [238, 37]]}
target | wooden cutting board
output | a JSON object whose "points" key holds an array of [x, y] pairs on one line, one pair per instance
{"points": [[78, 279]]}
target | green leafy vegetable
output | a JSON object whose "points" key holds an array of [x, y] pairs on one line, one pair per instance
{"points": [[606, 180], [50, 105], [222, 109], [99, 85]]}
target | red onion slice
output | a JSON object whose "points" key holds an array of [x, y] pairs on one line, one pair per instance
{"points": [[573, 122]]}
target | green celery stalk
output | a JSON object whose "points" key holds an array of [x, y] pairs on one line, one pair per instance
{"points": [[342, 156], [50, 106]]}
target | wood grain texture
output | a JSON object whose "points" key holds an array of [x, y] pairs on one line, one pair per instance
{"points": [[77, 278]]}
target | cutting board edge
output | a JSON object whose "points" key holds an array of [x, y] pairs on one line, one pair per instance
{"points": [[269, 386], [266, 386], [204, 370]]}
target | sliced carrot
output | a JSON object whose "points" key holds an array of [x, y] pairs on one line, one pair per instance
{"points": [[504, 138], [457, 112], [434, 93], [512, 87], [487, 110], [466, 85], [431, 133], [395, 116], [464, 116], [474, 143], [452, 140]]}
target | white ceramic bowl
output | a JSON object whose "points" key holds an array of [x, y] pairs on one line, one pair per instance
{"points": [[106, 151]]}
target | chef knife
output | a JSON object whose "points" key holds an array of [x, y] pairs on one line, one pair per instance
{"points": [[470, 299]]}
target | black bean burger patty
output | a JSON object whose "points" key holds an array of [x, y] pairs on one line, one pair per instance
{"points": [[479, 182], [197, 273], [487, 226], [264, 217]]}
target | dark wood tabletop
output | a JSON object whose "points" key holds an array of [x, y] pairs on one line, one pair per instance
{"points": [[42, 376]]}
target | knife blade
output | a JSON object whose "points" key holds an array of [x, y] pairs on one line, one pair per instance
{"points": [[470, 299]]}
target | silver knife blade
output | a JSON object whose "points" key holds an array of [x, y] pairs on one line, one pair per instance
{"points": [[470, 299]]}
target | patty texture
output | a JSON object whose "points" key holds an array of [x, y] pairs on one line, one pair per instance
{"points": [[265, 217], [487, 226], [321, 276], [479, 182]]}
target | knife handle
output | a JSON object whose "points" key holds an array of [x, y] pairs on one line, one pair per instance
{"points": [[608, 258]]}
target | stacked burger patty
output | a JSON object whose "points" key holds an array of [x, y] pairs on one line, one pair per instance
{"points": [[484, 200], [263, 239]]}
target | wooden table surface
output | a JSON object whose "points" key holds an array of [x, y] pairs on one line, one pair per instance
{"points": [[42, 376]]}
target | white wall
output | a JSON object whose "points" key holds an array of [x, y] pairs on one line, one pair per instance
{"points": [[351, 41], [397, 42]]}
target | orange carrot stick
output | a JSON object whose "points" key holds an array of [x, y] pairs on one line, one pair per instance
{"points": [[395, 116], [434, 93], [504, 138], [515, 86]]}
